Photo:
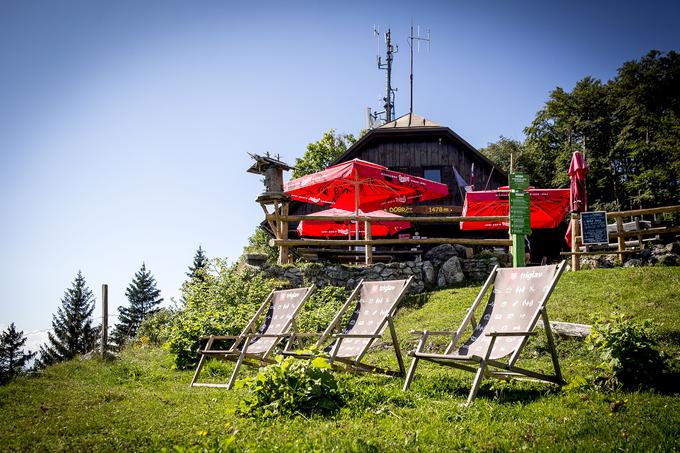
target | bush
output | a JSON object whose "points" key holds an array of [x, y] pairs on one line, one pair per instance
{"points": [[220, 304], [319, 310], [154, 327], [291, 387], [628, 352]]}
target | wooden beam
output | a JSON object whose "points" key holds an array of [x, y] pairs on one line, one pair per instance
{"points": [[297, 218], [351, 242], [649, 211], [647, 232]]}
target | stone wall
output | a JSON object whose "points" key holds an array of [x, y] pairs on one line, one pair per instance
{"points": [[442, 266]]}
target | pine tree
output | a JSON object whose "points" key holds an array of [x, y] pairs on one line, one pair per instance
{"points": [[144, 299], [72, 325], [13, 359], [199, 266]]}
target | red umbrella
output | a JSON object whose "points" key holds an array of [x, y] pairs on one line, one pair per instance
{"points": [[329, 228], [548, 207], [577, 189], [357, 184]]}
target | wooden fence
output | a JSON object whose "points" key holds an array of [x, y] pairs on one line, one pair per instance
{"points": [[621, 235], [279, 225]]}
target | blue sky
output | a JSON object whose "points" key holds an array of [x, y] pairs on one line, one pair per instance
{"points": [[124, 126]]}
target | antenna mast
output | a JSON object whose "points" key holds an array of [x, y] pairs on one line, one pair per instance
{"points": [[390, 50], [412, 38]]}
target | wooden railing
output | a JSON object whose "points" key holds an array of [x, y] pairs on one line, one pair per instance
{"points": [[620, 235], [279, 224]]}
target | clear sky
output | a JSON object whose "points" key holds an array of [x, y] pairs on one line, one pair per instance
{"points": [[124, 126]]}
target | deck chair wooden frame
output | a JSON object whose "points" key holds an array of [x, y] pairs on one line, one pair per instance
{"points": [[354, 362], [256, 329], [484, 365]]}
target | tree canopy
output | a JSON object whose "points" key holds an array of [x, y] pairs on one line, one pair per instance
{"points": [[72, 325], [321, 153], [144, 299], [628, 128], [13, 359]]}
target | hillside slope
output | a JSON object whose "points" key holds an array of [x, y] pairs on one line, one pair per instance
{"points": [[140, 403]]}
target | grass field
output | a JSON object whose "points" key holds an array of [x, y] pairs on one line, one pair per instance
{"points": [[140, 403]]}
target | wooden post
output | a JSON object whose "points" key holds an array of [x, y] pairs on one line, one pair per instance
{"points": [[284, 257], [369, 237], [518, 250], [637, 228], [620, 239], [105, 319], [575, 243]]}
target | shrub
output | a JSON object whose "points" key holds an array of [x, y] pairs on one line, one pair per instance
{"points": [[290, 387], [220, 304], [319, 310], [628, 352], [155, 326]]}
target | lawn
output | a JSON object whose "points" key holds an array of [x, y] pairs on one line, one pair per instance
{"points": [[140, 403]]}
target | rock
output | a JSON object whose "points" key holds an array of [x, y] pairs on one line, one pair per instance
{"points": [[605, 262], [461, 250], [633, 263], [669, 259], [429, 275], [673, 247], [440, 254], [417, 286], [451, 273]]}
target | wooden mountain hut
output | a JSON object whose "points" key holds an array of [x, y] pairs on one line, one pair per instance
{"points": [[415, 145]]}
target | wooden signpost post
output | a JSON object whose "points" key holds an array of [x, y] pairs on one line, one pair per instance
{"points": [[520, 222]]}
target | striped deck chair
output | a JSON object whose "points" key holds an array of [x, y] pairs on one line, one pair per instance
{"points": [[255, 345], [373, 313], [516, 303]]}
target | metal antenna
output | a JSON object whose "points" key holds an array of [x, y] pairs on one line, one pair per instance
{"points": [[417, 39], [390, 50]]}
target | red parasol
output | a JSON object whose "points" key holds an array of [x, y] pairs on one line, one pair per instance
{"points": [[329, 228], [577, 189], [548, 207], [357, 184]]}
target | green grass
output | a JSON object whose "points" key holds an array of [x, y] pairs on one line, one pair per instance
{"points": [[140, 403]]}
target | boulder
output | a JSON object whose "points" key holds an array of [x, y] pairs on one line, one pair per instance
{"points": [[429, 275], [451, 273], [669, 259], [440, 254], [633, 263], [673, 247]]}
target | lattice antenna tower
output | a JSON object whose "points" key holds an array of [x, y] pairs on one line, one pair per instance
{"points": [[388, 100], [415, 40]]}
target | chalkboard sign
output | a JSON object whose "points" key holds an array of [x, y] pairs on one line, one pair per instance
{"points": [[594, 227]]}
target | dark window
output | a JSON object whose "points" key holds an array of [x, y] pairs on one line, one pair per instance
{"points": [[433, 174]]}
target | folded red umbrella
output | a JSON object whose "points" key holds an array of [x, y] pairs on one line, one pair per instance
{"points": [[578, 169], [330, 228]]}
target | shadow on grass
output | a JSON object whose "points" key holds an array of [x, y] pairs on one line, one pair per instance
{"points": [[502, 392]]}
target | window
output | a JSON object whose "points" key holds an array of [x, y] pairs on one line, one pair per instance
{"points": [[433, 174]]}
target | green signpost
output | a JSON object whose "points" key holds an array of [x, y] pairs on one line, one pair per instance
{"points": [[520, 220]]}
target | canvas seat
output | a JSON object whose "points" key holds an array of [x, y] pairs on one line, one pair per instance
{"points": [[516, 303], [260, 337], [376, 303]]}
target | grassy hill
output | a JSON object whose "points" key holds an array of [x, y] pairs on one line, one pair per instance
{"points": [[139, 402]]}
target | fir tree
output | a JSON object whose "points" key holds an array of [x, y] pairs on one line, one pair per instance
{"points": [[13, 359], [72, 325], [144, 299], [199, 266]]}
